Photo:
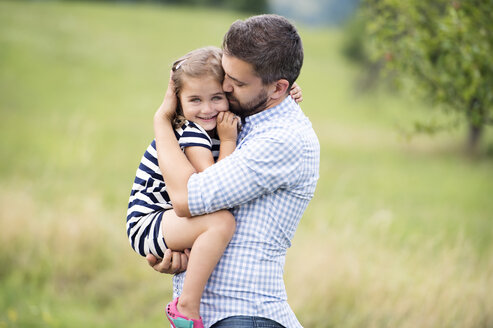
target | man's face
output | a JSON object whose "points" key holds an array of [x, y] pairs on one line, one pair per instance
{"points": [[245, 91]]}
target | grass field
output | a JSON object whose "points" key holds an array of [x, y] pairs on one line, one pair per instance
{"points": [[399, 234]]}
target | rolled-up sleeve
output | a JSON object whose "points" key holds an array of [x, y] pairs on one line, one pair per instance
{"points": [[260, 166]]}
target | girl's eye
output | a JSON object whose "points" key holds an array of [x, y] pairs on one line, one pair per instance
{"points": [[195, 100], [217, 98]]}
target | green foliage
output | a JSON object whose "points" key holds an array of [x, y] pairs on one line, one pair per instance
{"points": [[247, 6], [355, 47], [252, 6], [443, 46]]}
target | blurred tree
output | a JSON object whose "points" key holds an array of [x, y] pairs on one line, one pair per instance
{"points": [[315, 12], [249, 6], [355, 48], [253, 6], [445, 48]]}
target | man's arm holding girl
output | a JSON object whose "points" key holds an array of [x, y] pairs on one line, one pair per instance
{"points": [[177, 169]]}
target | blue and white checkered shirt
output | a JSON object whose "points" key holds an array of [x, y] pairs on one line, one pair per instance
{"points": [[267, 182]]}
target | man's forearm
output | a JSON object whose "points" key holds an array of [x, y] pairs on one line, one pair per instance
{"points": [[174, 165]]}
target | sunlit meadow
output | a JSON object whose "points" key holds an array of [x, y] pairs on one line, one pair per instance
{"points": [[399, 233]]}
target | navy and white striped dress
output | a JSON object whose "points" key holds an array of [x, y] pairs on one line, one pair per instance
{"points": [[149, 198]]}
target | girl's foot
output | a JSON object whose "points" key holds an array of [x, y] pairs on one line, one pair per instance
{"points": [[178, 320]]}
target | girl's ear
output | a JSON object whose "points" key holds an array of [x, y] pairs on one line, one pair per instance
{"points": [[280, 88]]}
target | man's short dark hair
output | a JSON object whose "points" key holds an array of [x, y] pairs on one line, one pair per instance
{"points": [[268, 42]]}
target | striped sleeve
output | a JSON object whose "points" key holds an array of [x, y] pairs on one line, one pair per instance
{"points": [[194, 135]]}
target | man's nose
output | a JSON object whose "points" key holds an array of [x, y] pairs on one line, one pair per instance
{"points": [[227, 86]]}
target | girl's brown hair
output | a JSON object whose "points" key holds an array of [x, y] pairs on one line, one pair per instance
{"points": [[197, 63]]}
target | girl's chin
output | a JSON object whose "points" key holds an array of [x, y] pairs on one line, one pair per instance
{"points": [[208, 125]]}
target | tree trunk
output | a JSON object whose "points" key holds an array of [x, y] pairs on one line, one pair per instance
{"points": [[475, 133], [476, 119]]}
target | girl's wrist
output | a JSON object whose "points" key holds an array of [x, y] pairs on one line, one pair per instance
{"points": [[164, 113], [232, 140]]}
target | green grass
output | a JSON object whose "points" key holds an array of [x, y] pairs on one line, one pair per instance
{"points": [[399, 233]]}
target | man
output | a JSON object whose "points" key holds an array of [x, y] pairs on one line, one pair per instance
{"points": [[267, 182]]}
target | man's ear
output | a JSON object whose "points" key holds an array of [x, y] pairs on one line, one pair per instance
{"points": [[280, 88]]}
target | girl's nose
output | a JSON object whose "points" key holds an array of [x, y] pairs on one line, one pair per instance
{"points": [[211, 107]]}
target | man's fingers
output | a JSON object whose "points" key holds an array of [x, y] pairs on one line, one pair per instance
{"points": [[184, 257], [172, 262], [162, 266], [151, 259], [176, 262], [184, 262]]}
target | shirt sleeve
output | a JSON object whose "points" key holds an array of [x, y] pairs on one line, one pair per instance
{"points": [[195, 135], [259, 167]]}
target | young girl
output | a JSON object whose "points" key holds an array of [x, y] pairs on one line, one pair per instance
{"points": [[152, 225]]}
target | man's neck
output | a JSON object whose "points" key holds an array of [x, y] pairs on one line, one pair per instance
{"points": [[274, 102]]}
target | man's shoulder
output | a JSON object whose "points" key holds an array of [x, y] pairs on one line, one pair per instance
{"points": [[289, 124], [274, 129]]}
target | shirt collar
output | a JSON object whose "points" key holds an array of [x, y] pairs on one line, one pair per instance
{"points": [[270, 113]]}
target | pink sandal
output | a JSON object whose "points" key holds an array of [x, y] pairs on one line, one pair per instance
{"points": [[178, 320]]}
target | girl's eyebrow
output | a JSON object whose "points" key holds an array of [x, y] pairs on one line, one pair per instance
{"points": [[214, 94]]}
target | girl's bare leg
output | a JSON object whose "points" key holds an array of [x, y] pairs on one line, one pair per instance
{"points": [[207, 236]]}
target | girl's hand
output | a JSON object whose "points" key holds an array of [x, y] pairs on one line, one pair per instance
{"points": [[227, 126], [295, 93], [167, 110]]}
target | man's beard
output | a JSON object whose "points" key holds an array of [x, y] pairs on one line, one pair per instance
{"points": [[243, 110]]}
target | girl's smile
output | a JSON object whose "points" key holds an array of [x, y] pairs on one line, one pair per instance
{"points": [[202, 99]]}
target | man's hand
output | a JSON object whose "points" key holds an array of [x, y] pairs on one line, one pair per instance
{"points": [[295, 93], [167, 110], [172, 262]]}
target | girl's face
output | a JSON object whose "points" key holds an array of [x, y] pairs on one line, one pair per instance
{"points": [[202, 98]]}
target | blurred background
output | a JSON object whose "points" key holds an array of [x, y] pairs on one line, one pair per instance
{"points": [[399, 233]]}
